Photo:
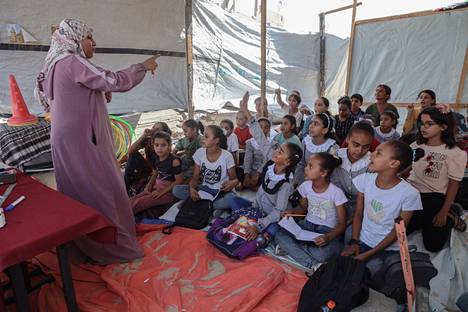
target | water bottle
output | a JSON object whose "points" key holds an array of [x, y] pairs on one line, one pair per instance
{"points": [[330, 306]]}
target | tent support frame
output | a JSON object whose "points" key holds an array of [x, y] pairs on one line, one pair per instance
{"points": [[461, 84], [189, 56]]}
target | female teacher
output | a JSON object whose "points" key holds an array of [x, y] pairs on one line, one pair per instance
{"points": [[75, 91]]}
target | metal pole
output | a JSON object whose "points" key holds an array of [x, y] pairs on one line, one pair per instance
{"points": [[189, 56], [263, 51]]}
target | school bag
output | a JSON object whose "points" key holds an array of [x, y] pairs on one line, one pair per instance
{"points": [[402, 273], [389, 280], [341, 281], [192, 214], [237, 248]]}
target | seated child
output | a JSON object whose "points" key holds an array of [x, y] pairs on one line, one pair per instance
{"points": [[356, 103], [321, 105], [139, 168], [437, 176], [326, 214], [242, 131], [262, 112], [232, 142], [272, 197], [386, 131], [355, 161], [344, 120], [320, 139], [214, 168], [187, 146], [288, 132], [167, 174], [374, 143], [382, 197], [292, 107], [254, 159]]}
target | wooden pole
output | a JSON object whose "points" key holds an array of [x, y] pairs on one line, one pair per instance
{"points": [[461, 84], [350, 49], [322, 54], [341, 9], [189, 56], [323, 44], [263, 50]]}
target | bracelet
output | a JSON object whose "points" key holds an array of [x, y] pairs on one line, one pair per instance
{"points": [[353, 241]]}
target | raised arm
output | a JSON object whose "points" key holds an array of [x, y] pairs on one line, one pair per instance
{"points": [[254, 127], [280, 101]]}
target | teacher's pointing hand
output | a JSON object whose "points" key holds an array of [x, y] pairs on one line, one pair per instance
{"points": [[150, 64]]}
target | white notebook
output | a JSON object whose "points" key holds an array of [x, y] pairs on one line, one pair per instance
{"points": [[292, 227]]}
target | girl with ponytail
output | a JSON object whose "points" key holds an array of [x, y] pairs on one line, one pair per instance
{"points": [[275, 183], [323, 204]]}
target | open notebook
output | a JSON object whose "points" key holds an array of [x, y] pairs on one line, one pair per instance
{"points": [[292, 227]]}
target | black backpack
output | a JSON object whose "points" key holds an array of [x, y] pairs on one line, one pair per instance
{"points": [[192, 214], [342, 280], [389, 280]]}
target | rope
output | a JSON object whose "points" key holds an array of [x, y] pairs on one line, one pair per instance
{"points": [[123, 134]]}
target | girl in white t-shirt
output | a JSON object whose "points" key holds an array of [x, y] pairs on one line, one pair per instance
{"points": [[437, 176], [232, 141], [319, 139], [214, 170], [382, 197], [326, 214]]}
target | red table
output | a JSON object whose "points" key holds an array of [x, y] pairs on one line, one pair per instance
{"points": [[44, 220]]}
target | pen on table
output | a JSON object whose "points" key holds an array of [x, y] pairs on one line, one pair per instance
{"points": [[11, 206]]}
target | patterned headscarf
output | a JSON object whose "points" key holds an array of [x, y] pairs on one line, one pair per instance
{"points": [[66, 40]]}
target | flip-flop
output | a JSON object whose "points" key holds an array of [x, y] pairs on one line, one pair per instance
{"points": [[458, 223]]}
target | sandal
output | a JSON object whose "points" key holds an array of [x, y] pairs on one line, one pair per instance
{"points": [[458, 223]]}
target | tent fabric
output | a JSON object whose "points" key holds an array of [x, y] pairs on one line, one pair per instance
{"points": [[133, 24], [227, 58], [452, 278], [180, 272], [410, 55]]}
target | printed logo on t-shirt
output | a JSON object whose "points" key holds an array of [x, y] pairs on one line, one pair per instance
{"points": [[435, 161], [320, 208], [210, 176], [376, 213]]}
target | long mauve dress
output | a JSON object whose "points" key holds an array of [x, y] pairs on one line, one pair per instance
{"points": [[85, 165]]}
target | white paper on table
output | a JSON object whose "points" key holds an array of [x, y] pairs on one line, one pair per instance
{"points": [[291, 226]]}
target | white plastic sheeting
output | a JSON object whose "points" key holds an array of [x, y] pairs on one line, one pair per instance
{"points": [[411, 54], [134, 24], [227, 58]]}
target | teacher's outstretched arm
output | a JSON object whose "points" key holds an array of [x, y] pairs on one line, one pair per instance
{"points": [[96, 78]]}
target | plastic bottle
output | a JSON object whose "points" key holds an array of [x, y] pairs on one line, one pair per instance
{"points": [[330, 306]]}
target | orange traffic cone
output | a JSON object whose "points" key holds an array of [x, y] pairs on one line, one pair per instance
{"points": [[21, 115]]}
